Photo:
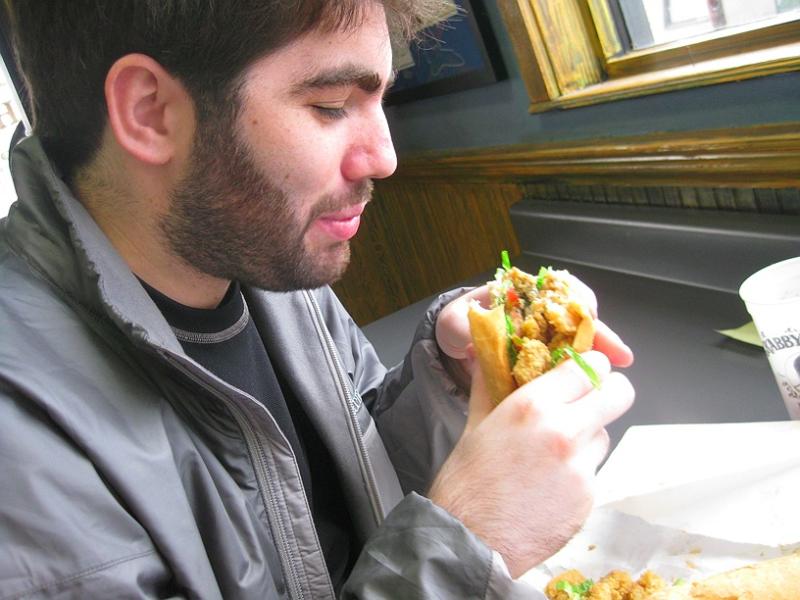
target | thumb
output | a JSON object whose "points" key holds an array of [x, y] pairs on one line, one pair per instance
{"points": [[480, 404]]}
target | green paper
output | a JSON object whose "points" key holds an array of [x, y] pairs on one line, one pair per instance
{"points": [[747, 333]]}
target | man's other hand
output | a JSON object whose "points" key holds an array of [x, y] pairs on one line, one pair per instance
{"points": [[521, 476]]}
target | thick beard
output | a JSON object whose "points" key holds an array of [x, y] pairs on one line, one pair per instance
{"points": [[229, 220]]}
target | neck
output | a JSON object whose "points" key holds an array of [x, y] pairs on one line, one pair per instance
{"points": [[131, 224]]}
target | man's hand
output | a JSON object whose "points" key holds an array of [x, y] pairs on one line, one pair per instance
{"points": [[521, 475]]}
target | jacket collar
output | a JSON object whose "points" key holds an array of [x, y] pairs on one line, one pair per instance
{"points": [[58, 238]]}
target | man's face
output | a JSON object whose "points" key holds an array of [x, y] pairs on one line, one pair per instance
{"points": [[272, 199]]}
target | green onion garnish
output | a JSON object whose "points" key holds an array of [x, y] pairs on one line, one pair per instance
{"points": [[583, 365], [512, 351], [509, 326], [505, 260], [575, 591], [540, 278], [557, 355]]}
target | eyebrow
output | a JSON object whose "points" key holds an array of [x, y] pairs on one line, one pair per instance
{"points": [[347, 75]]}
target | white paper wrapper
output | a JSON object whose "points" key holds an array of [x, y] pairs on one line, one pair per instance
{"points": [[614, 540], [688, 501], [735, 481]]}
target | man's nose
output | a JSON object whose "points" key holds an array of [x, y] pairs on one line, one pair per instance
{"points": [[373, 155]]}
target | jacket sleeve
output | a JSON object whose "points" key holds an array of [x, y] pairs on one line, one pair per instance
{"points": [[419, 409], [422, 552]]}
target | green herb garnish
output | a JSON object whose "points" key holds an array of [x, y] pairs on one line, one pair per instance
{"points": [[557, 355], [509, 325], [583, 365], [505, 260], [540, 277], [500, 287], [512, 351], [575, 591]]}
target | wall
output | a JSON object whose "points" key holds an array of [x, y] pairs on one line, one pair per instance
{"points": [[466, 158], [497, 114]]}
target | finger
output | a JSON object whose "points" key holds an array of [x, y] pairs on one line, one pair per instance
{"points": [[452, 325], [589, 457], [606, 341], [566, 383], [480, 294], [585, 293], [470, 361], [480, 405], [598, 408], [610, 344]]}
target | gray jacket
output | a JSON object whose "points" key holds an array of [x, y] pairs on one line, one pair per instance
{"points": [[127, 470]]}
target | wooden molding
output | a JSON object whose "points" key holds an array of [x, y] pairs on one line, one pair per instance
{"points": [[745, 65], [763, 156], [419, 238], [570, 54]]}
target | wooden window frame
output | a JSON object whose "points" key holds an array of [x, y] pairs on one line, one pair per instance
{"points": [[570, 54]]}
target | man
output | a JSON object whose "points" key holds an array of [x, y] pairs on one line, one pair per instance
{"points": [[174, 430]]}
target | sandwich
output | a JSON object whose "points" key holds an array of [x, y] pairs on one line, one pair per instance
{"points": [[774, 579], [534, 323]]}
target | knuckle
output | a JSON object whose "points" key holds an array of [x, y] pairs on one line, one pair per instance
{"points": [[605, 440], [523, 408], [603, 444], [598, 361], [561, 444], [621, 386]]}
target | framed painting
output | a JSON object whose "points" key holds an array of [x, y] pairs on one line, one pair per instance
{"points": [[456, 52]]}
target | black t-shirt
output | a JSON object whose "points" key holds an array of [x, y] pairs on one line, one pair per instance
{"points": [[225, 340]]}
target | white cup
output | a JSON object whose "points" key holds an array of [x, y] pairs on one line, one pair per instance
{"points": [[772, 297]]}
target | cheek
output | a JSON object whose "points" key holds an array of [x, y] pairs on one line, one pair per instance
{"points": [[298, 155]]}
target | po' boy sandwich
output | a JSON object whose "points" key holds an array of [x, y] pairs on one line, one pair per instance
{"points": [[774, 579], [534, 323]]}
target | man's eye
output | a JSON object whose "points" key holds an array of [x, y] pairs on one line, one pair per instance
{"points": [[330, 112]]}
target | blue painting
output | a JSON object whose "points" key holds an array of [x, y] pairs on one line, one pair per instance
{"points": [[455, 54]]}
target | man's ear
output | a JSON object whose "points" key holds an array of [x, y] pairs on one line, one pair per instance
{"points": [[148, 109]]}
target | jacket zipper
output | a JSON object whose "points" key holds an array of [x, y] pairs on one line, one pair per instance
{"points": [[293, 586], [351, 400]]}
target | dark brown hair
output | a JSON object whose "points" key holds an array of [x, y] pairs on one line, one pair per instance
{"points": [[65, 48]]}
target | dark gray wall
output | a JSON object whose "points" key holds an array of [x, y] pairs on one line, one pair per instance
{"points": [[497, 114]]}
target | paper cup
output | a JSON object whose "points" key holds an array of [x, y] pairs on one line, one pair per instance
{"points": [[772, 297]]}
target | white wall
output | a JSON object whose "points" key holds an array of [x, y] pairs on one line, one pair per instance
{"points": [[11, 114]]}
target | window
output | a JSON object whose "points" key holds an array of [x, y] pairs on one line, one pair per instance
{"points": [[11, 114], [578, 52], [655, 22]]}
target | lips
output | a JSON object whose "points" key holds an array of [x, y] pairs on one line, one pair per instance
{"points": [[342, 224]]}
